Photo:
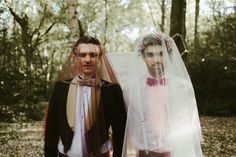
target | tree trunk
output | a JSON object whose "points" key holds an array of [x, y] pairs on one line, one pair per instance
{"points": [[29, 45], [163, 8], [153, 18], [81, 30], [26, 41], [196, 35], [106, 23], [4, 56], [177, 23], [73, 22]]}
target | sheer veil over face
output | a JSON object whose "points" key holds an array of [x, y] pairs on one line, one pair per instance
{"points": [[153, 57], [86, 63], [99, 63], [87, 58], [162, 111]]}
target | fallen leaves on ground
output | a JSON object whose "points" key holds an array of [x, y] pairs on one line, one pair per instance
{"points": [[21, 139], [26, 139], [219, 136]]}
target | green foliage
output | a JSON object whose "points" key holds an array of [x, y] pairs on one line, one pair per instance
{"points": [[13, 85], [214, 87], [213, 68], [29, 59], [25, 75]]}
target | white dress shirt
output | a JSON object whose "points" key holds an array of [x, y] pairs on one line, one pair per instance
{"points": [[78, 146]]}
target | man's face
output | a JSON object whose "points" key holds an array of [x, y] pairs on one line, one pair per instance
{"points": [[87, 58], [153, 56]]}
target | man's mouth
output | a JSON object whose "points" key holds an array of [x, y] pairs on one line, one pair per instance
{"points": [[156, 66], [88, 66]]}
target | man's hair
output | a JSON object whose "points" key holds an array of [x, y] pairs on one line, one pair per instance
{"points": [[151, 40], [87, 40]]}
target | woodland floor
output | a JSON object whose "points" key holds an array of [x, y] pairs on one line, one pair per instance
{"points": [[26, 139]]}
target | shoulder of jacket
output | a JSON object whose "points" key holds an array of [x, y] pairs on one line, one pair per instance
{"points": [[62, 83], [106, 83]]}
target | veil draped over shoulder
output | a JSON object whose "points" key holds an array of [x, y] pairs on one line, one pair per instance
{"points": [[90, 136]]}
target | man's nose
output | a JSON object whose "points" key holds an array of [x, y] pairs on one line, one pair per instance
{"points": [[156, 58], [87, 58]]}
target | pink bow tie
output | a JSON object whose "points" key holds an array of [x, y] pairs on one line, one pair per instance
{"points": [[153, 81]]}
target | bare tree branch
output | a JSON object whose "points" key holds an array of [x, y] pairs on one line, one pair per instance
{"points": [[41, 22], [153, 20], [106, 23], [39, 37]]}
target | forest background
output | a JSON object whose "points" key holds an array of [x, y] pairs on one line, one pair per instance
{"points": [[36, 37]]}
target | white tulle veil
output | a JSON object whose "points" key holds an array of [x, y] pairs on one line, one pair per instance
{"points": [[162, 111]]}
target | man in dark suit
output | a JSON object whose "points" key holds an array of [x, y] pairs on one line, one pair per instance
{"points": [[83, 108]]}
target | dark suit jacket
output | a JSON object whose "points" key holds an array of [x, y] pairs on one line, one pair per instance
{"points": [[57, 125]]}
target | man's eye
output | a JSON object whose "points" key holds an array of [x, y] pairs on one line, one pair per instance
{"points": [[161, 54], [93, 55], [81, 55], [149, 54]]}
